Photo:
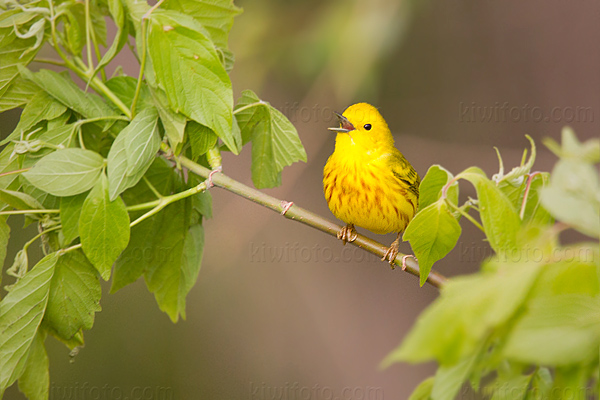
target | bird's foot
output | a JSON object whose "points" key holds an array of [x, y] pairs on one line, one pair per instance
{"points": [[392, 252], [347, 234]]}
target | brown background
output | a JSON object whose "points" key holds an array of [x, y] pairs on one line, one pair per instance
{"points": [[275, 310]]}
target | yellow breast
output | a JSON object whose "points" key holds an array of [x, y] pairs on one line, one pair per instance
{"points": [[362, 190]]}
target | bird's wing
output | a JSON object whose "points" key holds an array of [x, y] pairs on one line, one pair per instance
{"points": [[405, 172]]}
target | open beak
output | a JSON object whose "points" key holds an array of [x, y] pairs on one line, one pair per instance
{"points": [[345, 125]]}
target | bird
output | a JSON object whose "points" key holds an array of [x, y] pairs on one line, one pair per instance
{"points": [[367, 181]]}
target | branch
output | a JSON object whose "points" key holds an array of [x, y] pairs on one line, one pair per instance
{"points": [[299, 214]]}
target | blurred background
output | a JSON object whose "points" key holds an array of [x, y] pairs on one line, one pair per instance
{"points": [[281, 311]]}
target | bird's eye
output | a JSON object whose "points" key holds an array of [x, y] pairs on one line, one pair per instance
{"points": [[367, 127]]}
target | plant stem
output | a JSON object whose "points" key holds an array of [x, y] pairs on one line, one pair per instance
{"points": [[17, 171], [49, 61], [465, 214], [526, 194], [21, 212], [258, 103], [152, 188], [138, 87], [301, 215], [88, 41]]}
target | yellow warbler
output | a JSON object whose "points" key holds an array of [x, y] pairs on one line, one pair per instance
{"points": [[367, 181]]}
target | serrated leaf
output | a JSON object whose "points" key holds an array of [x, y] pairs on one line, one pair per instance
{"points": [[201, 138], [103, 228], [432, 234], [70, 210], [35, 381], [66, 172], [68, 93], [74, 295], [275, 141], [187, 66], [132, 152], [21, 313]]}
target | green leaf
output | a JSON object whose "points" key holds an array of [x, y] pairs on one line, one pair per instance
{"points": [[75, 26], [141, 141], [66, 172], [573, 196], [124, 88], [432, 234], [187, 66], [498, 215], [173, 123], [35, 381], [67, 92], [70, 210], [171, 283], [512, 388], [431, 186], [450, 378], [541, 383], [19, 93], [168, 252], [103, 228], [19, 200], [572, 320], [572, 148], [201, 138], [4, 237], [74, 295], [41, 107], [468, 309], [15, 17], [118, 15], [21, 312], [14, 53], [275, 141], [214, 15], [132, 152], [423, 391]]}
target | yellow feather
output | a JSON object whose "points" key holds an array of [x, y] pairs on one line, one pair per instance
{"points": [[367, 181]]}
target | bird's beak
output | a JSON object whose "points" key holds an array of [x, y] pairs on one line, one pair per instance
{"points": [[345, 125]]}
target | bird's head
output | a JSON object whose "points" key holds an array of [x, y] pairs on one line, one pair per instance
{"points": [[361, 124]]}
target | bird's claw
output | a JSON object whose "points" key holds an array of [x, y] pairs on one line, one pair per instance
{"points": [[347, 234], [391, 253]]}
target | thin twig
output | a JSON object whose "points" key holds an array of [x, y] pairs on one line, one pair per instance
{"points": [[301, 215]]}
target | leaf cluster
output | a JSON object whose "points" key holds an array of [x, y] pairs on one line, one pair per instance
{"points": [[527, 325], [93, 161]]}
